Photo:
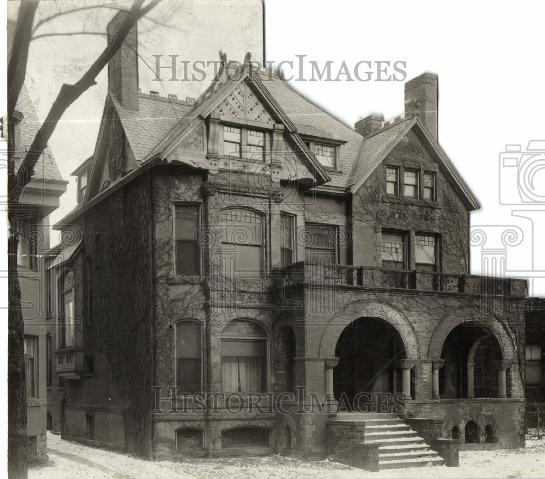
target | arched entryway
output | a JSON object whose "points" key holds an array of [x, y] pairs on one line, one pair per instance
{"points": [[369, 352], [472, 364]]}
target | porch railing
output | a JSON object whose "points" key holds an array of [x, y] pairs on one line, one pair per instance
{"points": [[374, 277]]}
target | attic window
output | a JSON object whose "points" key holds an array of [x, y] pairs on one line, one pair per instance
{"points": [[243, 143], [325, 154]]}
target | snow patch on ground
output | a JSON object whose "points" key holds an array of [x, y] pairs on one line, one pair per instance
{"points": [[69, 460]]}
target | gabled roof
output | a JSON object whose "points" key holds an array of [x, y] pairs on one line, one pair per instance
{"points": [[156, 117], [225, 82], [377, 147]]}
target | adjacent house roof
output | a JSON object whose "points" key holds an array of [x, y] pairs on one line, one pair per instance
{"points": [[46, 167], [67, 254]]}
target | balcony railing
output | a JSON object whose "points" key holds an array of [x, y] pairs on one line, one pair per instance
{"points": [[373, 277]]}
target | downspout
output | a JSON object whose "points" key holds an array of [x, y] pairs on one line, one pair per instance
{"points": [[153, 305]]}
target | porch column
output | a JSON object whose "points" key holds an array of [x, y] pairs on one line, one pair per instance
{"points": [[406, 366], [436, 365], [502, 379], [470, 380], [330, 364]]}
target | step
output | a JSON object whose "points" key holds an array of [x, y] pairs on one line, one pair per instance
{"points": [[401, 426], [389, 434], [384, 422], [403, 448], [424, 452], [363, 416], [417, 462], [395, 441]]}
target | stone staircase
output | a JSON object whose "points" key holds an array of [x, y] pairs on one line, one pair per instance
{"points": [[399, 445]]}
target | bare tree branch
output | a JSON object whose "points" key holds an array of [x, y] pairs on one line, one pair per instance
{"points": [[18, 58], [70, 93]]}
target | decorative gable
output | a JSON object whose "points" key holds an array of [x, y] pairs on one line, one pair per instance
{"points": [[243, 104]]}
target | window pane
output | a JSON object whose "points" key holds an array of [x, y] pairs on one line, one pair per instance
{"points": [[429, 186], [231, 134], [186, 237], [393, 250], [242, 226], [231, 149], [325, 154], [392, 181], [533, 372], [256, 138], [188, 375], [287, 226], [321, 236], [188, 355], [31, 365], [425, 249], [248, 260], [245, 374], [533, 352], [410, 183]]}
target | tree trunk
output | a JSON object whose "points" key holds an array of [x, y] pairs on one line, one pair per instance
{"points": [[17, 412]]}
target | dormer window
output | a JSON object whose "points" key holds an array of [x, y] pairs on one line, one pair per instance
{"points": [[325, 154], [82, 186], [243, 143]]}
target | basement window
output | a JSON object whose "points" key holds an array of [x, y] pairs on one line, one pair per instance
{"points": [[245, 437]]}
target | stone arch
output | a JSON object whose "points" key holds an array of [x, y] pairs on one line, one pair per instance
{"points": [[459, 316], [368, 309]]}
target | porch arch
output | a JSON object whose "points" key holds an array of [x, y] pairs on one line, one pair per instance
{"points": [[366, 309], [459, 316]]}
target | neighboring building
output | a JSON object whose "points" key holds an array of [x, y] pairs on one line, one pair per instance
{"points": [[250, 242], [534, 378], [40, 198]]}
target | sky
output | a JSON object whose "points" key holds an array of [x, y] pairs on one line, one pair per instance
{"points": [[488, 58]]}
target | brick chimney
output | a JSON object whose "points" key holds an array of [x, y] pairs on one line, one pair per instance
{"points": [[370, 124], [422, 99], [123, 67]]}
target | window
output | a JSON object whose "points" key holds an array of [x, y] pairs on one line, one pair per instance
{"points": [[82, 186], [533, 364], [429, 186], [31, 366], [287, 246], [186, 239], [188, 357], [232, 141], [243, 142], [242, 236], [325, 154], [392, 181], [49, 359], [67, 319], [425, 252], [256, 145], [244, 358], [410, 183], [393, 251], [321, 243]]}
